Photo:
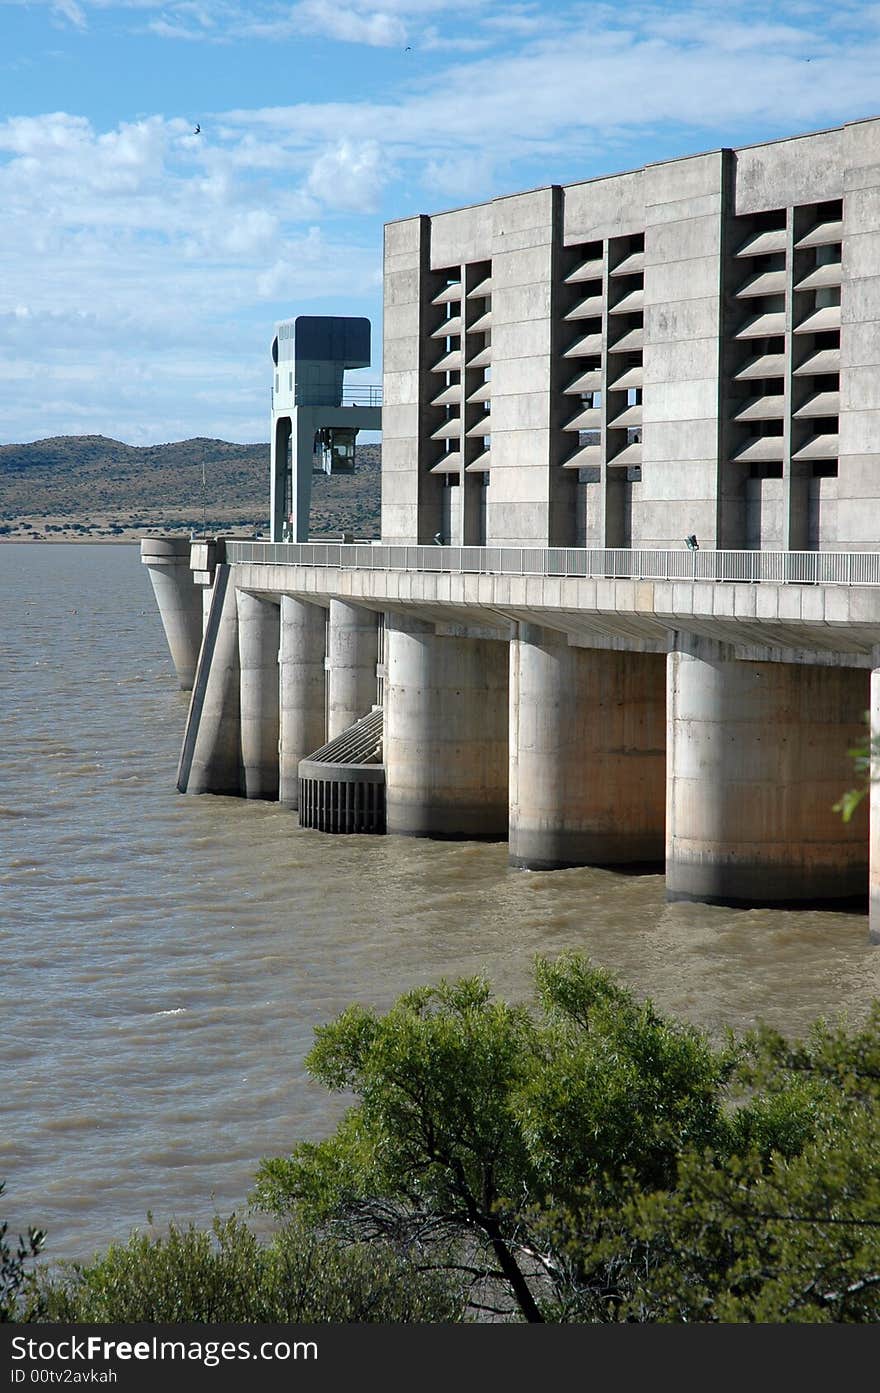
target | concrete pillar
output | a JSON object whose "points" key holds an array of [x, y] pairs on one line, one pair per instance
{"points": [[445, 740], [281, 427], [210, 759], [757, 759], [352, 651], [206, 592], [587, 754], [178, 599], [303, 713], [874, 798], [258, 638]]}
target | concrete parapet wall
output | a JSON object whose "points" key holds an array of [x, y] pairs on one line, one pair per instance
{"points": [[797, 623]]}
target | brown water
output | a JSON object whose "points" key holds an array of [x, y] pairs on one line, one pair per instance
{"points": [[165, 959]]}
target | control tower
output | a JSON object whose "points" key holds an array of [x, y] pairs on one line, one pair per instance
{"points": [[315, 416]]}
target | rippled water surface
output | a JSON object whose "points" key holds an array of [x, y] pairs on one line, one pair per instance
{"points": [[165, 959]]}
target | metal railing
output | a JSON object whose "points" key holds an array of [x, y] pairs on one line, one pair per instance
{"points": [[777, 567]]}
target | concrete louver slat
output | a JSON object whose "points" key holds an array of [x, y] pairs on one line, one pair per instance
{"points": [[630, 304], [820, 447], [765, 365], [483, 393], [633, 377], [765, 283], [825, 361], [450, 328], [632, 340], [630, 266], [586, 347], [483, 427], [450, 463], [763, 449], [632, 416], [481, 359], [591, 270], [631, 454], [449, 430], [480, 465], [591, 308], [481, 291], [828, 317], [831, 273], [450, 362], [481, 325], [770, 408], [584, 457], [824, 234], [450, 295], [360, 744], [450, 397], [590, 419], [822, 404], [584, 383], [763, 326], [763, 243]]}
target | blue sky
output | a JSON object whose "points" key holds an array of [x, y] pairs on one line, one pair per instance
{"points": [[142, 267]]}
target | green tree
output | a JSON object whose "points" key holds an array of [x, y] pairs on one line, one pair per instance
{"points": [[500, 1132], [789, 1235], [861, 754], [14, 1258]]}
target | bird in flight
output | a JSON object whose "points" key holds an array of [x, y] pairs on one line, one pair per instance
{"points": [[198, 130]]}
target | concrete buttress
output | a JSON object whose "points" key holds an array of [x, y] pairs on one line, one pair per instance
{"points": [[303, 686], [210, 759], [587, 753], [259, 631], [352, 652], [757, 759], [179, 601], [445, 733]]}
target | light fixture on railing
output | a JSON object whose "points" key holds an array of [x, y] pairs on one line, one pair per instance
{"points": [[691, 543]]}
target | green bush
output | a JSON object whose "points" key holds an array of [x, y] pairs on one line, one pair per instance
{"points": [[227, 1275], [14, 1275]]}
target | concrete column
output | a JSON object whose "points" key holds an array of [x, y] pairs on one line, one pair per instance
{"points": [[178, 599], [445, 740], [258, 638], [874, 811], [206, 592], [587, 754], [210, 759], [352, 651], [303, 714], [757, 758], [279, 447]]}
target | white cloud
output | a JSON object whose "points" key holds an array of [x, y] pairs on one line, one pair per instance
{"points": [[141, 254], [71, 11], [376, 28], [349, 176]]}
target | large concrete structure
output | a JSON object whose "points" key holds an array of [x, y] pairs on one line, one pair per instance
{"points": [[315, 416], [641, 417]]}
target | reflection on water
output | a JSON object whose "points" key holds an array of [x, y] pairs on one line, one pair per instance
{"points": [[166, 958]]}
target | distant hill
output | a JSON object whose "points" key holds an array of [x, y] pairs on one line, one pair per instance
{"points": [[95, 488]]}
